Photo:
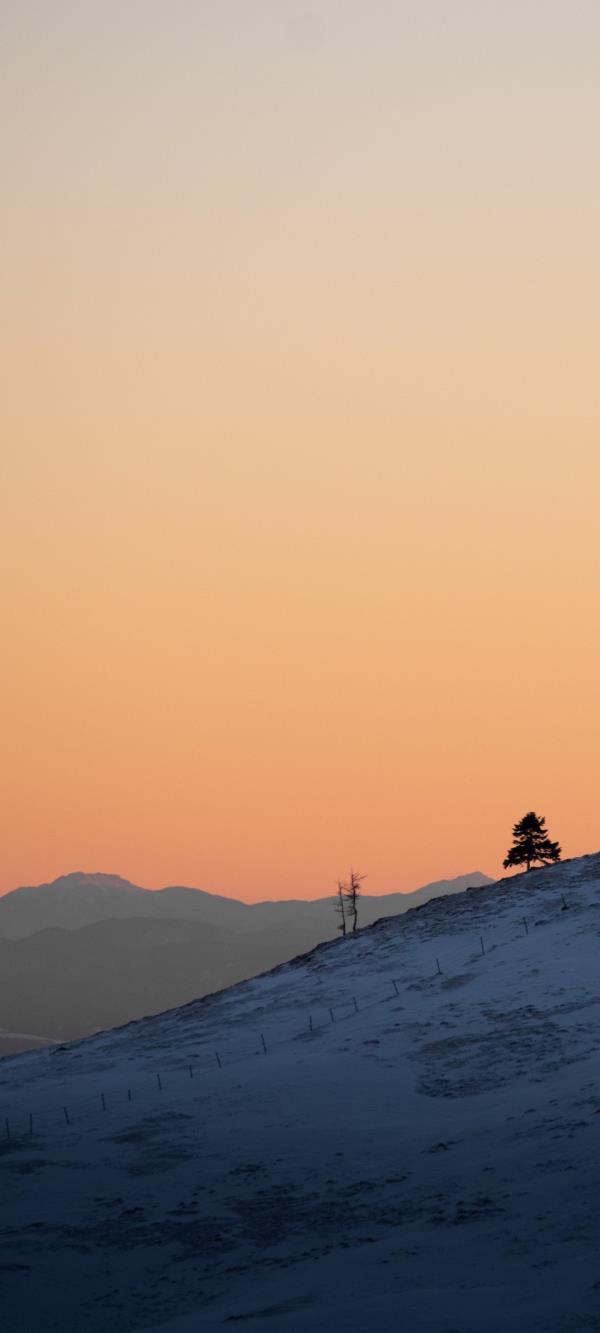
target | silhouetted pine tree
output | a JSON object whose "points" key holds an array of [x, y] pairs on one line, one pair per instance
{"points": [[531, 843]]}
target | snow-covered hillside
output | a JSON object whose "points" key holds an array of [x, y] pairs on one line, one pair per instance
{"points": [[415, 1149]]}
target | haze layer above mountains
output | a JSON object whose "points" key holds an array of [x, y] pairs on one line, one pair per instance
{"points": [[88, 952]]}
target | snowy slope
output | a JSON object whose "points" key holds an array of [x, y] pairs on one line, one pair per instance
{"points": [[428, 1160]]}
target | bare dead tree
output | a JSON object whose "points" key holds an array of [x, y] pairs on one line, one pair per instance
{"points": [[352, 891], [340, 906]]}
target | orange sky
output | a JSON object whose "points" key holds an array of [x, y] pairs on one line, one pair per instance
{"points": [[300, 468]]}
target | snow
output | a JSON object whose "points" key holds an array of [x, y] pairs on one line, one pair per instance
{"points": [[428, 1162]]}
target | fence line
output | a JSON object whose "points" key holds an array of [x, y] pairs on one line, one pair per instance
{"points": [[22, 1124]]}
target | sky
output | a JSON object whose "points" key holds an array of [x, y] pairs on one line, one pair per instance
{"points": [[299, 549]]}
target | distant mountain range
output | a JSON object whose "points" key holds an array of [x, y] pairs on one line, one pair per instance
{"points": [[82, 899], [88, 952]]}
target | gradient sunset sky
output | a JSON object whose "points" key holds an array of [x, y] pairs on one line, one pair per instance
{"points": [[301, 454]]}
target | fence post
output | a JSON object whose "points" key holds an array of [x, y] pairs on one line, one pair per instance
{"points": [[439, 970], [482, 944], [525, 925], [331, 1015], [264, 1044], [564, 903], [129, 1094], [191, 1071], [159, 1082], [395, 985], [218, 1059], [66, 1115]]}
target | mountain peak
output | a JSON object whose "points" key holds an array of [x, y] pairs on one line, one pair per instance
{"points": [[83, 879]]}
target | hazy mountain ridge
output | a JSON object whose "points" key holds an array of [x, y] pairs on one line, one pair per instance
{"points": [[81, 899], [438, 1141]]}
